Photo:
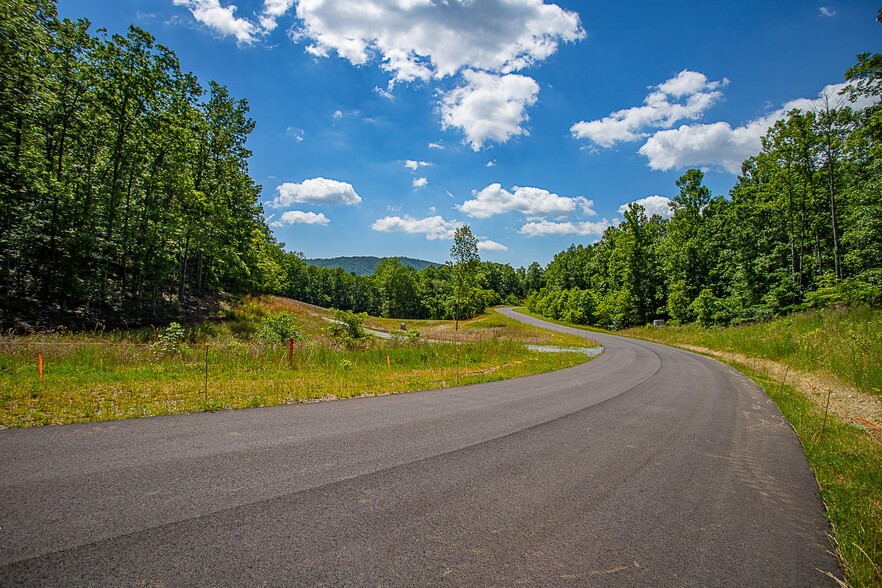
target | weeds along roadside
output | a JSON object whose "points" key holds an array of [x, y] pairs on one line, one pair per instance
{"points": [[113, 376]]}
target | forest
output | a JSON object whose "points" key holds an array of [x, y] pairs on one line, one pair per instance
{"points": [[801, 227], [125, 185], [126, 196]]}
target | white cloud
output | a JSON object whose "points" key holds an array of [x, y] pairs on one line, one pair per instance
{"points": [[491, 163], [541, 228], [338, 114], [421, 39], [827, 11], [292, 217], [420, 183], [415, 165], [532, 202], [719, 145], [684, 97], [433, 227], [438, 146], [221, 19], [315, 191], [488, 245], [384, 93], [272, 10], [489, 107], [653, 205]]}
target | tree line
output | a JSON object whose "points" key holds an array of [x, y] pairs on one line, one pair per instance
{"points": [[400, 291], [802, 226], [124, 183], [124, 192]]}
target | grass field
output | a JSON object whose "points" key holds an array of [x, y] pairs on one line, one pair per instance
{"points": [[490, 325], [220, 365], [822, 369]]}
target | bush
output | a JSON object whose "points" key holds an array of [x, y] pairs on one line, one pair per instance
{"points": [[348, 327], [278, 328], [170, 341]]}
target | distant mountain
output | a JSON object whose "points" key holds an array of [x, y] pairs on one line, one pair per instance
{"points": [[365, 265]]}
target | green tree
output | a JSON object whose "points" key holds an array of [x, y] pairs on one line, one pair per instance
{"points": [[464, 260]]}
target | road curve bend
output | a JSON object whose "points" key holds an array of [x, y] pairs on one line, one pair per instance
{"points": [[648, 466]]}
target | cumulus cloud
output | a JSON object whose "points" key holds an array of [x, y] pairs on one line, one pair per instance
{"points": [[221, 19], [315, 191], [684, 97], [421, 39], [653, 205], [489, 107], [488, 245], [433, 227], [420, 183], [721, 146], [293, 217], [544, 227], [272, 10], [437, 146], [532, 202]]}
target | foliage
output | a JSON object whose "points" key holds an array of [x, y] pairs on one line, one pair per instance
{"points": [[170, 341], [279, 328], [348, 327], [802, 228], [464, 260], [124, 185]]}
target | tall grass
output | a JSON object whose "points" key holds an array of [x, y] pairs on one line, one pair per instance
{"points": [[113, 376], [843, 342]]}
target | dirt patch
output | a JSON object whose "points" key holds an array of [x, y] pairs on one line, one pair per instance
{"points": [[846, 401]]}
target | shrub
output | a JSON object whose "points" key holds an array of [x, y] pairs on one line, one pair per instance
{"points": [[278, 328], [348, 327], [170, 340]]}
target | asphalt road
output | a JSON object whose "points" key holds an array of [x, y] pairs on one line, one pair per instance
{"points": [[646, 466]]}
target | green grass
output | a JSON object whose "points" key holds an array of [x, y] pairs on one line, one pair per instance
{"points": [[490, 325], [844, 343], [96, 377]]}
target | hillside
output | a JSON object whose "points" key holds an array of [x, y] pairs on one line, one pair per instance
{"points": [[365, 265]]}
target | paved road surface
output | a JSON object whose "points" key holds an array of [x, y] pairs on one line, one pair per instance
{"points": [[646, 466]]}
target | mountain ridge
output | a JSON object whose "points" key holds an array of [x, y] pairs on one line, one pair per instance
{"points": [[364, 265]]}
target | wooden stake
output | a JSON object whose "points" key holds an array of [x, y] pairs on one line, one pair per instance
{"points": [[205, 394], [388, 361], [40, 365]]}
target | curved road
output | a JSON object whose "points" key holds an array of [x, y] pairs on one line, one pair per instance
{"points": [[646, 466]]}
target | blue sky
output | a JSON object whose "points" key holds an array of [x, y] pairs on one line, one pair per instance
{"points": [[382, 125]]}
